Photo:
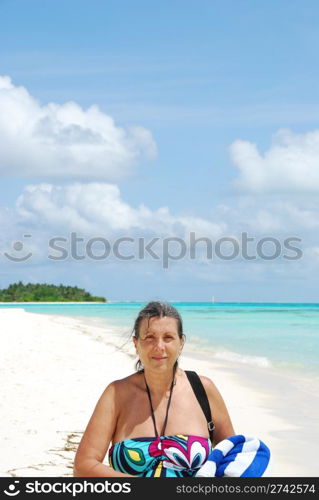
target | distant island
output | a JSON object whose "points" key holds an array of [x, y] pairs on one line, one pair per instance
{"points": [[42, 292]]}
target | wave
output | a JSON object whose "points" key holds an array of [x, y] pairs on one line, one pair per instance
{"points": [[261, 361]]}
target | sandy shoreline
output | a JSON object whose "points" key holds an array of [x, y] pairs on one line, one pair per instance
{"points": [[54, 368]]}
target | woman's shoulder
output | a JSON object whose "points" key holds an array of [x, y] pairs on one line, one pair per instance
{"points": [[209, 385], [213, 394], [206, 381], [120, 387]]}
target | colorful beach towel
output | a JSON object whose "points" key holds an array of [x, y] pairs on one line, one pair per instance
{"points": [[237, 456]]}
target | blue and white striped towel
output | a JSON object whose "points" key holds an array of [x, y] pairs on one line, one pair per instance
{"points": [[237, 456]]}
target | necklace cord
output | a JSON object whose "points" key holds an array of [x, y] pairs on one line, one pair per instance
{"points": [[167, 408]]}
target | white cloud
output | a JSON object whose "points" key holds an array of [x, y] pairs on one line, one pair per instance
{"points": [[273, 215], [290, 165], [98, 207], [64, 140], [98, 210]]}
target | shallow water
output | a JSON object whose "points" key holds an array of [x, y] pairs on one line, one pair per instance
{"points": [[281, 336]]}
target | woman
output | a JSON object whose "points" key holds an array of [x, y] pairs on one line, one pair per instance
{"points": [[152, 418]]}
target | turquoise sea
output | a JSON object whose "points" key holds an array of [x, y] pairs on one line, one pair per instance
{"points": [[271, 335]]}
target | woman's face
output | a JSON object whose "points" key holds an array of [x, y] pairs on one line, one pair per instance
{"points": [[158, 344]]}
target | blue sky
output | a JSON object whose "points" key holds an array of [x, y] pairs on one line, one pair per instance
{"points": [[207, 119]]}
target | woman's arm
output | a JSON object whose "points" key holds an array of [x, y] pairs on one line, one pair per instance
{"points": [[97, 438], [223, 425]]}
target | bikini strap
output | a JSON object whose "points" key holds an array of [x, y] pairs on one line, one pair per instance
{"points": [[202, 398]]}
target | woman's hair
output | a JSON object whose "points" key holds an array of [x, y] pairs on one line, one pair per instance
{"points": [[157, 310]]}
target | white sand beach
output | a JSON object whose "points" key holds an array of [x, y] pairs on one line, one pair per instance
{"points": [[54, 368]]}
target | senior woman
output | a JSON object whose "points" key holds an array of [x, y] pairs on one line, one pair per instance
{"points": [[153, 419]]}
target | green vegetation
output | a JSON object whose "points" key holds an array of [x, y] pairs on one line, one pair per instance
{"points": [[37, 292]]}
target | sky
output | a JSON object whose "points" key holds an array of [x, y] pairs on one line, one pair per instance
{"points": [[129, 130]]}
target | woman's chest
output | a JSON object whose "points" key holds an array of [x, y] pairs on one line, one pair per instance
{"points": [[138, 418]]}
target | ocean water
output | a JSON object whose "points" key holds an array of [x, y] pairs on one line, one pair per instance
{"points": [[281, 336]]}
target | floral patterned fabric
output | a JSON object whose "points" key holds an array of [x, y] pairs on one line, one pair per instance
{"points": [[164, 456]]}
